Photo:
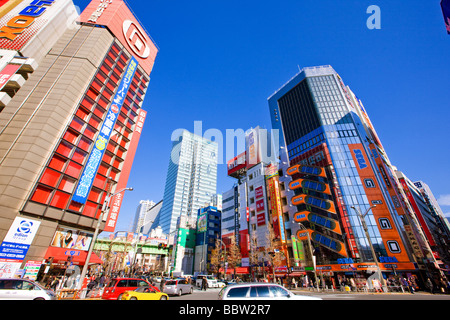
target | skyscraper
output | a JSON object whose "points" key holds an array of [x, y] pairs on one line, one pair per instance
{"points": [[339, 170], [140, 217], [191, 178]]}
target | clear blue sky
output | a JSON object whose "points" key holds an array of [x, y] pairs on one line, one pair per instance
{"points": [[219, 61]]}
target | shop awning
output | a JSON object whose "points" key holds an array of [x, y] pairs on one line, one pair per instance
{"points": [[239, 270], [60, 255]]}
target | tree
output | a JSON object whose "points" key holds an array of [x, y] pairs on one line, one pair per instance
{"points": [[270, 251], [216, 256], [254, 254], [234, 255]]}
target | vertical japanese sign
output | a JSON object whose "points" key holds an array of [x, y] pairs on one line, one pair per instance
{"points": [[93, 163]]}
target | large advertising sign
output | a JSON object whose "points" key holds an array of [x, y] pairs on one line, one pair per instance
{"points": [[118, 18], [381, 213], [253, 148], [202, 223], [275, 206], [237, 164], [445, 5], [91, 168], [71, 239], [18, 239], [22, 23], [16, 244]]}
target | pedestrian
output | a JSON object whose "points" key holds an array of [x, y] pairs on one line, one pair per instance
{"points": [[161, 286], [54, 284], [204, 283], [430, 286]]}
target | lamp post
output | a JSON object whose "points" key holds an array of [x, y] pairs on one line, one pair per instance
{"points": [[141, 229], [97, 228], [366, 230], [302, 227]]}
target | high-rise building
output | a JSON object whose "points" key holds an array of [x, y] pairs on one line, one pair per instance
{"points": [[69, 134], [338, 169], [140, 217], [208, 230], [256, 203], [191, 179]]}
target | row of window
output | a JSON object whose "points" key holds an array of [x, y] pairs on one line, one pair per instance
{"points": [[61, 175]]}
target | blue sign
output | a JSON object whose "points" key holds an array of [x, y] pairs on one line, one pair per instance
{"points": [[13, 251], [360, 158], [95, 158]]}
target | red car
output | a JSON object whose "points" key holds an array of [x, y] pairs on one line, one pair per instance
{"points": [[118, 286]]}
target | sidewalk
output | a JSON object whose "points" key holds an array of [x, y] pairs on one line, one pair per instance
{"points": [[338, 291]]}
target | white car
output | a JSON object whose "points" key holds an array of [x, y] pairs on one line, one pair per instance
{"points": [[212, 281], [22, 289], [259, 291]]}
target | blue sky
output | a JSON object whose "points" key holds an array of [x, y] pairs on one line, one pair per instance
{"points": [[220, 61]]}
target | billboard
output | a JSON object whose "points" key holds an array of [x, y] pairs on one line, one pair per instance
{"points": [[93, 163], [237, 164], [16, 244], [202, 223], [26, 20], [71, 239], [381, 213], [118, 18], [275, 205], [253, 148]]}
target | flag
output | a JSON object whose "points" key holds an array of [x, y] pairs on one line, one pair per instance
{"points": [[445, 5]]}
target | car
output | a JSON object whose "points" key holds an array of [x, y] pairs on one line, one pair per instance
{"points": [[211, 281], [157, 279], [221, 284], [144, 293], [23, 289], [178, 287], [117, 286], [259, 291]]}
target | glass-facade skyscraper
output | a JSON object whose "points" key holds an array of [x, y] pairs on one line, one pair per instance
{"points": [[191, 178], [338, 167]]}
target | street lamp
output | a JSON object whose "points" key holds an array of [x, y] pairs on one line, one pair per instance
{"points": [[302, 227], [141, 229], [97, 228], [366, 230]]}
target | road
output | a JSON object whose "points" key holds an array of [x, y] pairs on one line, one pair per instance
{"points": [[212, 294]]}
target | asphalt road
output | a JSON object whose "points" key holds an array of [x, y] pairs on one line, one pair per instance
{"points": [[212, 294]]}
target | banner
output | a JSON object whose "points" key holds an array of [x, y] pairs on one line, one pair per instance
{"points": [[95, 158], [445, 5]]}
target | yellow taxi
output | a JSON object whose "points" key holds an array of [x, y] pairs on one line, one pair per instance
{"points": [[144, 293]]}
